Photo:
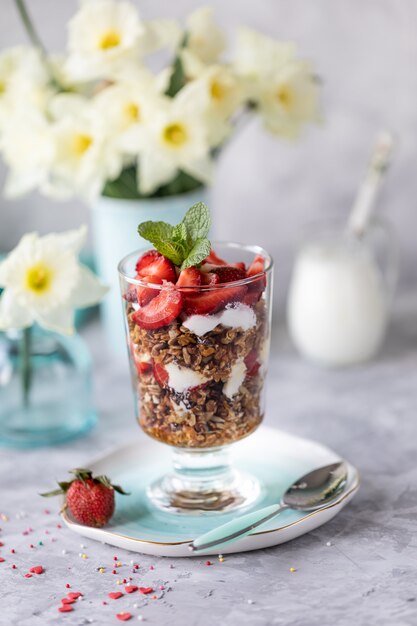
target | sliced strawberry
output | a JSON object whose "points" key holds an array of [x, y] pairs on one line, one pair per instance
{"points": [[257, 267], [209, 278], [189, 277], [239, 265], [160, 311], [252, 363], [143, 367], [161, 375], [156, 265], [214, 259], [253, 296], [211, 301], [228, 274], [145, 294], [146, 259]]}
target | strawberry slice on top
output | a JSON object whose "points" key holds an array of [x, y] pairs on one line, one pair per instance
{"points": [[257, 267], [228, 274], [213, 259], [146, 294], [190, 277], [211, 301], [154, 263], [161, 310]]}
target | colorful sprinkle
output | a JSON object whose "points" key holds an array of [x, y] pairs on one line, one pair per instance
{"points": [[130, 588], [208, 563], [65, 608], [68, 600], [292, 569], [38, 569], [1, 559], [145, 590], [28, 575], [114, 572], [115, 595], [68, 586], [124, 617], [74, 595]]}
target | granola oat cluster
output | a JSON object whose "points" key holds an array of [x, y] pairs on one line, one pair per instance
{"points": [[226, 406]]}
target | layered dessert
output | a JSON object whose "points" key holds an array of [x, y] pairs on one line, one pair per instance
{"points": [[198, 346]]}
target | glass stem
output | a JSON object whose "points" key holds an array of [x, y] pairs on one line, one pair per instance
{"points": [[26, 364]]}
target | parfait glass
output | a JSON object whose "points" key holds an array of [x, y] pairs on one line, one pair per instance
{"points": [[199, 381]]}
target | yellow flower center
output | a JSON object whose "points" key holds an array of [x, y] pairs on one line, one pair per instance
{"points": [[285, 97], [175, 135], [132, 112], [217, 90], [39, 278], [111, 39], [81, 143], [2, 88]]}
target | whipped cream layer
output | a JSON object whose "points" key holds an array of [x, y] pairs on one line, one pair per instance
{"points": [[181, 379], [235, 380], [233, 316]]}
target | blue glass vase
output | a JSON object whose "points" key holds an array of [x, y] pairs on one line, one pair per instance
{"points": [[45, 388]]}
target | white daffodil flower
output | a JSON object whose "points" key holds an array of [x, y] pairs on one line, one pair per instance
{"points": [[102, 35], [290, 100], [204, 37], [24, 82], [217, 94], [84, 156], [257, 56], [175, 139], [44, 282], [125, 108], [28, 148], [282, 86]]}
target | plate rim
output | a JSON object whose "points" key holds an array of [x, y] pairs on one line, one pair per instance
{"points": [[349, 493]]}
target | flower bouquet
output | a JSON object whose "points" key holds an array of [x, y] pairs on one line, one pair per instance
{"points": [[97, 121]]}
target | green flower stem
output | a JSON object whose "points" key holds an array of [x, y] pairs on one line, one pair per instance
{"points": [[26, 364], [35, 39]]}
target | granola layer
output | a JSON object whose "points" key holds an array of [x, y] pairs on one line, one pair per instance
{"points": [[204, 416]]}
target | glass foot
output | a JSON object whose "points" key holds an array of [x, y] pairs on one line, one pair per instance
{"points": [[203, 482]]}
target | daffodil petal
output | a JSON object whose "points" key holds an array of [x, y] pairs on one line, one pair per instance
{"points": [[59, 320], [154, 170], [71, 240], [202, 169], [12, 314], [89, 290]]}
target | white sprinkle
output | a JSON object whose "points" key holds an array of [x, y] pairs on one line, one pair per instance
{"points": [[141, 618], [80, 554], [82, 545], [329, 543], [132, 562], [251, 602], [136, 605]]}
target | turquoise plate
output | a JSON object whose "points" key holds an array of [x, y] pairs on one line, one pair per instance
{"points": [[275, 457]]}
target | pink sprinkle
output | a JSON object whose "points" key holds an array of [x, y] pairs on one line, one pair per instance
{"points": [[115, 558], [208, 563], [68, 586], [114, 572], [104, 602], [59, 526], [46, 511], [28, 575], [46, 532], [151, 567], [162, 587], [13, 551], [13, 566], [31, 545], [25, 532]]}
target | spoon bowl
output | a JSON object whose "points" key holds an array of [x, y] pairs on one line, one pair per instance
{"points": [[313, 491]]}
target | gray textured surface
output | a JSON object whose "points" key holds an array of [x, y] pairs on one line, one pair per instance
{"points": [[366, 576]]}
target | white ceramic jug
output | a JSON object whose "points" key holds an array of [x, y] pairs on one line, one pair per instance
{"points": [[340, 293]]}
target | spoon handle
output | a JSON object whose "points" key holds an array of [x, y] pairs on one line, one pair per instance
{"points": [[236, 529]]}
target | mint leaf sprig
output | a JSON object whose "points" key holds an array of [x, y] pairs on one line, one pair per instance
{"points": [[185, 244]]}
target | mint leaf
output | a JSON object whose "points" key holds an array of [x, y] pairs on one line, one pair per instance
{"points": [[198, 221], [198, 253], [161, 235]]}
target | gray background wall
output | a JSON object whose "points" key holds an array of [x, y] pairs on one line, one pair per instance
{"points": [[265, 190]]}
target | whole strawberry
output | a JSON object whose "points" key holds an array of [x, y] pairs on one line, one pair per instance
{"points": [[89, 499]]}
